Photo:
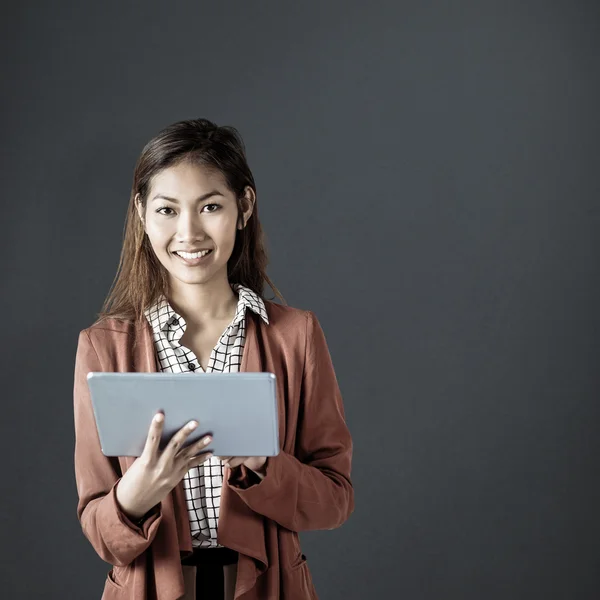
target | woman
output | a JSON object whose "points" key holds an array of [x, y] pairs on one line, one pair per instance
{"points": [[187, 298]]}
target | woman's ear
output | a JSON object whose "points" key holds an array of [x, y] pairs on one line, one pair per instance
{"points": [[247, 206]]}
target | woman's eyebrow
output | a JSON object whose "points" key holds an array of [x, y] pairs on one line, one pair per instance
{"points": [[200, 199]]}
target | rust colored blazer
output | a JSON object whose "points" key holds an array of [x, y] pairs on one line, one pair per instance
{"points": [[306, 487]]}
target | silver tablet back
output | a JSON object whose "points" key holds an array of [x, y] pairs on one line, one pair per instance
{"points": [[239, 409]]}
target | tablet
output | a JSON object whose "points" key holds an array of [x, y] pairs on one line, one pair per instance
{"points": [[239, 409]]}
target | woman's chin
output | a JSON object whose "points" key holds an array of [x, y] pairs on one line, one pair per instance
{"points": [[195, 276]]}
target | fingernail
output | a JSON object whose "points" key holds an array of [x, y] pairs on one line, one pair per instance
{"points": [[192, 424], [207, 439], [159, 417]]}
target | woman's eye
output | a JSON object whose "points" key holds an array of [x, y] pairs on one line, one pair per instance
{"points": [[216, 205], [163, 208]]}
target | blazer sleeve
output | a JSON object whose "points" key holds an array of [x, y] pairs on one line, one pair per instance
{"points": [[113, 536], [311, 490]]}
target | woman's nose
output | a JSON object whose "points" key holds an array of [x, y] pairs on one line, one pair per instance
{"points": [[189, 225]]}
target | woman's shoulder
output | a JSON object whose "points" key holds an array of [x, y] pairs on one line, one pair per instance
{"points": [[111, 324], [110, 327], [117, 342], [290, 326], [285, 316]]}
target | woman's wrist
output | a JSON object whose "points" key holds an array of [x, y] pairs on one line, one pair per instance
{"points": [[132, 514]]}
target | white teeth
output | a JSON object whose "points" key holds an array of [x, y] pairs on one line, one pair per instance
{"points": [[193, 255]]}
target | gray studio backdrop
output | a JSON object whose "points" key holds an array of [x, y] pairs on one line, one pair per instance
{"points": [[427, 178]]}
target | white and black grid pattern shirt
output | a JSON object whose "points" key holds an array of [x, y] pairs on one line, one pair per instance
{"points": [[202, 484]]}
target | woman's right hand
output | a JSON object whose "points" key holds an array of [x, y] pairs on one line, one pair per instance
{"points": [[154, 474]]}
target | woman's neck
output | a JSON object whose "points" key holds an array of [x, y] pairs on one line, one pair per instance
{"points": [[201, 304]]}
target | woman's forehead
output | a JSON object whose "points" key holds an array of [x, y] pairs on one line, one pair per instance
{"points": [[187, 181]]}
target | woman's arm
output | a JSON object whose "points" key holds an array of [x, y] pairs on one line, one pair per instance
{"points": [[311, 490], [115, 538]]}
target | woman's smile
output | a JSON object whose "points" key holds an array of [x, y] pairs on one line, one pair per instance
{"points": [[192, 260]]}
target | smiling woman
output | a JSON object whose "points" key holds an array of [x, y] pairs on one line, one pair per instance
{"points": [[190, 229], [188, 298]]}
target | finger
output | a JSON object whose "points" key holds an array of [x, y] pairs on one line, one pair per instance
{"points": [[197, 447], [178, 439], [196, 461], [154, 435]]}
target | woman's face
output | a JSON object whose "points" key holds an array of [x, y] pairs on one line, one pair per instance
{"points": [[190, 208]]}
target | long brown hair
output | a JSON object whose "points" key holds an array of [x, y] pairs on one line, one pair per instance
{"points": [[140, 277]]}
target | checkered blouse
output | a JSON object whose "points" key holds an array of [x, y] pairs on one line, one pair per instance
{"points": [[202, 484]]}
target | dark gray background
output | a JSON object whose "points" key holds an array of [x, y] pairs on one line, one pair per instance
{"points": [[427, 177]]}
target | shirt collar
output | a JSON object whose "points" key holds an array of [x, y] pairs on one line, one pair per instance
{"points": [[161, 314]]}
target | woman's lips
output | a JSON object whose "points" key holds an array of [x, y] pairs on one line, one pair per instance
{"points": [[192, 262]]}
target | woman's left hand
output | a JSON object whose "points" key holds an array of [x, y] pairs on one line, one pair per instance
{"points": [[254, 463]]}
